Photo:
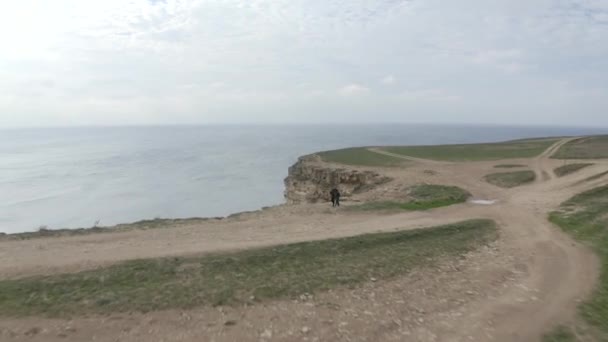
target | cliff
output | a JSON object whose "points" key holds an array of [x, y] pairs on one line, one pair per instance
{"points": [[310, 181]]}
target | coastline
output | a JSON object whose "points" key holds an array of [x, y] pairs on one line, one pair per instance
{"points": [[145, 224], [405, 204]]}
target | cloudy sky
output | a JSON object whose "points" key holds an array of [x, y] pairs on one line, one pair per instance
{"points": [[125, 62]]}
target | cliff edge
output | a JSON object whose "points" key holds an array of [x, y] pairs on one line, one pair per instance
{"points": [[309, 180]]}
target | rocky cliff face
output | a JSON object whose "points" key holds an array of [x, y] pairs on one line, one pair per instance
{"points": [[310, 181]]}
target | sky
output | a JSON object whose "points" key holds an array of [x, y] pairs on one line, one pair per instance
{"points": [[155, 62]]}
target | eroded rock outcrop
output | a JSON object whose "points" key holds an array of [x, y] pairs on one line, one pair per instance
{"points": [[310, 181]]}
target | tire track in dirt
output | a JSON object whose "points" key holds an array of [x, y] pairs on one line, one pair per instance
{"points": [[542, 168], [401, 156]]}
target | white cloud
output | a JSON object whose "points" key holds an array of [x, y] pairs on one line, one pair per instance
{"points": [[174, 61], [353, 89], [428, 95], [388, 80], [509, 60]]}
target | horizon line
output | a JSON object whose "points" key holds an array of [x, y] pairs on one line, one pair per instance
{"points": [[283, 124]]}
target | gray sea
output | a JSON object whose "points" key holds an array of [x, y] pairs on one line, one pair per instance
{"points": [[74, 177]]}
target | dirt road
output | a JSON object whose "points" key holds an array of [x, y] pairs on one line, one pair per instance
{"points": [[515, 290]]}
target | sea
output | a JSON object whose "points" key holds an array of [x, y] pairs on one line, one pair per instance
{"points": [[84, 176]]}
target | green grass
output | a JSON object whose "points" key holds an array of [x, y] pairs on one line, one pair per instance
{"points": [[570, 168], [285, 271], [420, 197], [594, 177], [511, 179], [360, 156], [477, 152], [585, 217], [584, 148], [560, 334], [143, 225], [508, 166]]}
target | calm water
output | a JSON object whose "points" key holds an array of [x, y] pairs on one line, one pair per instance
{"points": [[72, 177]]}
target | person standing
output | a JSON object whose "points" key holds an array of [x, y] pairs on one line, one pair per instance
{"points": [[335, 197]]}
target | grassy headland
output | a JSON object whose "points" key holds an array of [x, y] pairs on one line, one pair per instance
{"points": [[584, 148], [360, 156], [477, 152]]}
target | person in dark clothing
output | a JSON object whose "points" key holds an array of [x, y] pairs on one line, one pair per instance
{"points": [[335, 197]]}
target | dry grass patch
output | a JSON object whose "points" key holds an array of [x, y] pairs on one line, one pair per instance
{"points": [[511, 179], [285, 271]]}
